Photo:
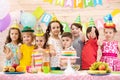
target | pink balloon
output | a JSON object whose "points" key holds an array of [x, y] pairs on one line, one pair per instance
{"points": [[4, 23]]}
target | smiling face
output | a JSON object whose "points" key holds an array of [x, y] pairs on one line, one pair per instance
{"points": [[27, 37], [40, 41], [55, 28], [75, 31], [66, 42], [14, 34], [109, 33]]}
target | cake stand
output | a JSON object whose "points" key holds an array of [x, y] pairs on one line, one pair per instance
{"points": [[69, 69]]}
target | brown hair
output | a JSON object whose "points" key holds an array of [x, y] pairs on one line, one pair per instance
{"points": [[89, 29], [29, 33], [114, 29], [47, 33], [67, 34], [8, 39], [77, 25]]}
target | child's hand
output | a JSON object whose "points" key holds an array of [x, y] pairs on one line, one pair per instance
{"points": [[9, 55], [82, 36]]}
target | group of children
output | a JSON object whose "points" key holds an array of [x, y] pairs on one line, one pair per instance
{"points": [[20, 50]]}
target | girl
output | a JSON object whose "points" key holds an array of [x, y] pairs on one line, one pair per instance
{"points": [[41, 50], [25, 50], [53, 32], [11, 45], [89, 52], [76, 30], [110, 47]]}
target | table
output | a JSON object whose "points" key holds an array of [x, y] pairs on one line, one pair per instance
{"points": [[81, 75]]}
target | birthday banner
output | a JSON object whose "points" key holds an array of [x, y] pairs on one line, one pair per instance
{"points": [[75, 3]]}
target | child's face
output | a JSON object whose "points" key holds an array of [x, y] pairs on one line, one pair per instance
{"points": [[91, 35], [55, 28], [75, 31], [109, 33], [27, 38], [14, 34], [40, 41], [66, 42]]}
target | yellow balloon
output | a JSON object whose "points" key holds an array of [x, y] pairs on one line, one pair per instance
{"points": [[115, 12], [38, 12]]}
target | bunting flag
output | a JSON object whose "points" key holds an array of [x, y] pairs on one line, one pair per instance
{"points": [[60, 2], [78, 20], [38, 12], [50, 1], [97, 2], [78, 3], [99, 23], [46, 18], [88, 3], [69, 3], [66, 28], [115, 12]]}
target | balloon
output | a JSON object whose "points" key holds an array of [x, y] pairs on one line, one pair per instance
{"points": [[4, 8], [4, 23], [28, 19]]}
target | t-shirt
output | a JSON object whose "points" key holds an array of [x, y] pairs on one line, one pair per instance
{"points": [[14, 59], [27, 55]]}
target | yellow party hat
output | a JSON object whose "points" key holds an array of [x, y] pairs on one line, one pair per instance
{"points": [[54, 18], [15, 25], [39, 31]]}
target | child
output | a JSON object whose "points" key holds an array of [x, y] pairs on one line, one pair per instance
{"points": [[110, 47], [89, 52], [11, 45], [53, 32], [41, 49], [25, 50], [67, 46], [76, 30]]}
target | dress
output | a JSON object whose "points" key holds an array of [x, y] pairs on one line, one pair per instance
{"points": [[26, 55], [89, 53], [14, 59], [78, 45], [57, 45], [110, 54]]}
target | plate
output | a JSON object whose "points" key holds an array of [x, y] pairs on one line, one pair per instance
{"points": [[56, 72], [14, 72], [98, 73]]}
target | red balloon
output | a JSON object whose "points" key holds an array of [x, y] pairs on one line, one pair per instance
{"points": [[4, 23]]}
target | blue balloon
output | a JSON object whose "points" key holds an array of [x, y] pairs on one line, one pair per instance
{"points": [[27, 19]]}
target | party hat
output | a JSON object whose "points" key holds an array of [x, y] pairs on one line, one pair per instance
{"points": [[78, 19], [54, 18], [39, 31], [109, 23], [15, 25], [91, 22]]}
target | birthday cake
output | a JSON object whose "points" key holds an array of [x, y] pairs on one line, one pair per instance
{"points": [[68, 53]]}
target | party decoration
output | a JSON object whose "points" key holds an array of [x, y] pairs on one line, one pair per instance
{"points": [[54, 18], [97, 2], [78, 3], [78, 20], [4, 8], [39, 31], [60, 2], [109, 23], [4, 23], [28, 19], [46, 18], [38, 12], [15, 25], [88, 3], [99, 23], [66, 28], [69, 3], [116, 20], [115, 12], [91, 22], [50, 1]]}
